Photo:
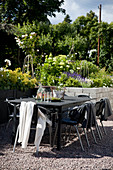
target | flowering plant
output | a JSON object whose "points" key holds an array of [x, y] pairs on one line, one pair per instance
{"points": [[27, 42], [15, 79], [60, 71], [8, 62]]}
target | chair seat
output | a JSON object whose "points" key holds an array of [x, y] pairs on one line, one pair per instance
{"points": [[69, 121]]}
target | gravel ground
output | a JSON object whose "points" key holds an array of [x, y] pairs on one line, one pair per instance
{"points": [[98, 157]]}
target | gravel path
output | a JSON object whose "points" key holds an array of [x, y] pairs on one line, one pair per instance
{"points": [[97, 157]]}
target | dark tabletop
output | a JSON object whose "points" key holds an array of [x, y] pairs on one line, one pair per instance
{"points": [[67, 100]]}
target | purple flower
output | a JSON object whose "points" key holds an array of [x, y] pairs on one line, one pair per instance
{"points": [[75, 76]]}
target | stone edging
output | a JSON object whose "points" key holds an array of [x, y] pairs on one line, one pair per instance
{"points": [[96, 93]]}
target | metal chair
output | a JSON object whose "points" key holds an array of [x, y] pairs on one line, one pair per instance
{"points": [[74, 118], [103, 111], [34, 122], [10, 108], [84, 117]]}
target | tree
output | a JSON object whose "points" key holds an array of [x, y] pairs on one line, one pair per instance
{"points": [[8, 48], [67, 19], [15, 11], [106, 45], [85, 30]]}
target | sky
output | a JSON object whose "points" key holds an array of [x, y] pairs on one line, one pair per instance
{"points": [[76, 8]]}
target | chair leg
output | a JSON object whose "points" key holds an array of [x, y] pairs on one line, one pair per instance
{"points": [[65, 134], [9, 123], [79, 137], [86, 137], [17, 132], [93, 136], [98, 131], [50, 132], [54, 139], [103, 128], [70, 132]]}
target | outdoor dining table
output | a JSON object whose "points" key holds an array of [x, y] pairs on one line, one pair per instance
{"points": [[69, 101]]}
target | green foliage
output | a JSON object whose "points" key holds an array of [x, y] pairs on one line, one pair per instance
{"points": [[71, 82], [101, 79], [67, 19], [8, 47], [54, 66], [16, 80], [77, 39], [61, 71], [97, 82], [106, 48], [19, 11]]}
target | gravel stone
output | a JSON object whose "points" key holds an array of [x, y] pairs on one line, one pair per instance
{"points": [[98, 157]]}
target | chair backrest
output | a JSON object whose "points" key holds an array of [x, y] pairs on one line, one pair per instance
{"points": [[84, 95], [91, 111], [103, 108], [77, 113], [10, 106], [100, 105], [84, 114]]}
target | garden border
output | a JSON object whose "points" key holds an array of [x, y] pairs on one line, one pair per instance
{"points": [[96, 93]]}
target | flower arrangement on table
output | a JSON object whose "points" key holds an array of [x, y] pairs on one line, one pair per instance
{"points": [[59, 92]]}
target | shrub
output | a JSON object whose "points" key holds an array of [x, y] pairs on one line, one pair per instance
{"points": [[97, 83], [16, 80], [57, 70], [101, 79], [71, 82]]}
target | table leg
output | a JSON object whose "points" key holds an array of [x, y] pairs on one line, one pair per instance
{"points": [[59, 130]]}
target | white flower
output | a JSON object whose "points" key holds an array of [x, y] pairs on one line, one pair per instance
{"points": [[24, 35], [5, 70], [54, 59], [8, 62], [61, 63], [71, 71], [67, 66], [49, 58], [61, 66], [69, 61], [61, 84], [1, 69], [32, 33], [91, 51], [31, 37], [18, 40]]}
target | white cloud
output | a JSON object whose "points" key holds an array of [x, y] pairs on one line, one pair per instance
{"points": [[107, 14], [76, 8]]}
